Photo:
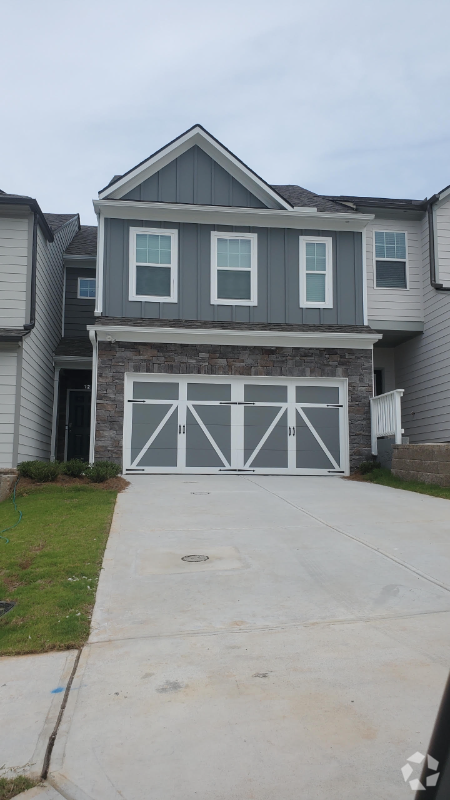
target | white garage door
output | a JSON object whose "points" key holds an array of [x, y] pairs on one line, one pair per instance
{"points": [[204, 424]]}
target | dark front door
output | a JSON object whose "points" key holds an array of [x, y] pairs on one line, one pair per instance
{"points": [[78, 424]]}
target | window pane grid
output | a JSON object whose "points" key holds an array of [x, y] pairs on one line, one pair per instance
{"points": [[86, 288], [153, 248], [233, 270], [390, 245]]}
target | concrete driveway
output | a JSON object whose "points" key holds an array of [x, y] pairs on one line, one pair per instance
{"points": [[305, 658]]}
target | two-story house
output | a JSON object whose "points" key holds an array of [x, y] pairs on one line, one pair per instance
{"points": [[230, 328], [31, 288]]}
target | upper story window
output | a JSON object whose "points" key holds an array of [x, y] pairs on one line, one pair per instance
{"points": [[390, 260], [316, 272], [153, 265], [234, 269], [86, 288]]}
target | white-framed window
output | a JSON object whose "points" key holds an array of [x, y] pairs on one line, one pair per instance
{"points": [[316, 272], [154, 265], [234, 271], [86, 289], [390, 249]]}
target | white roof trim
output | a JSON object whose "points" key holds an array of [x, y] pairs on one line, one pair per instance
{"points": [[230, 215], [215, 150], [256, 338]]}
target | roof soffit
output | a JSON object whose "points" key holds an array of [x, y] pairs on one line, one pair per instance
{"points": [[196, 136]]}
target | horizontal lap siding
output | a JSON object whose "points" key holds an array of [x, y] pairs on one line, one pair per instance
{"points": [[8, 377], [13, 271], [78, 313], [278, 277], [442, 244], [423, 366], [396, 304], [38, 348]]}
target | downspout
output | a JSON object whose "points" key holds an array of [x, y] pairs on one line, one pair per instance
{"points": [[93, 338], [30, 325], [432, 251]]}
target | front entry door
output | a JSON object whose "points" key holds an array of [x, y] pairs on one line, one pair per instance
{"points": [[78, 423], [208, 424]]}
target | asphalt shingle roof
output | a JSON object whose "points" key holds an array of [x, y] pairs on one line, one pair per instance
{"points": [[56, 221], [79, 346], [84, 243], [299, 196]]}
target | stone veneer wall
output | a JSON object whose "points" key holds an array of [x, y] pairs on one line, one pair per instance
{"points": [[114, 359]]}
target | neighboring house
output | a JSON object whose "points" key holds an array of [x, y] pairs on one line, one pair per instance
{"points": [[231, 324], [408, 276], [31, 286]]}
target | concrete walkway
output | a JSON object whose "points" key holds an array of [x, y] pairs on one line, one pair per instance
{"points": [[305, 658]]}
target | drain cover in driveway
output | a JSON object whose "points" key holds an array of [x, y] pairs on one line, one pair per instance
{"points": [[195, 558]]}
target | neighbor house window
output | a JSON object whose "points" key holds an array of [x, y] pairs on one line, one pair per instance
{"points": [[316, 272], [86, 288], [153, 265], [234, 269], [390, 260]]}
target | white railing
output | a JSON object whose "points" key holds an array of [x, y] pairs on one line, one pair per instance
{"points": [[386, 417]]}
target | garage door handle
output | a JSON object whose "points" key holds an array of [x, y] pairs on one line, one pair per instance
{"points": [[179, 428], [293, 431]]}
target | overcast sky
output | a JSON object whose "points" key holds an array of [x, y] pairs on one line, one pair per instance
{"points": [[339, 96]]}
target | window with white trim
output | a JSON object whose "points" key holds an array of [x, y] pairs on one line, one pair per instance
{"points": [[316, 272], [86, 289], [234, 269], [390, 260], [153, 265]]}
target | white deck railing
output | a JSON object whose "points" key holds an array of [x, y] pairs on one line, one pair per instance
{"points": [[386, 417]]}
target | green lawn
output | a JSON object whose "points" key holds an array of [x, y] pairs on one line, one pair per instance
{"points": [[384, 477], [51, 565]]}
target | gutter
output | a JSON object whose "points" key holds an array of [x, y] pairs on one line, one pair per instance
{"points": [[431, 248], [30, 325]]}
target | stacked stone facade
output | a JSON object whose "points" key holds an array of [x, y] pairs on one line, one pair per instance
{"points": [[117, 358]]}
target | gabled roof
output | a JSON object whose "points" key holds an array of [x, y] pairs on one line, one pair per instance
{"points": [[300, 197], [23, 200], [56, 221], [120, 185], [84, 243]]}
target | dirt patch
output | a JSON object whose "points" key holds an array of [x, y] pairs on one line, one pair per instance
{"points": [[356, 477]]}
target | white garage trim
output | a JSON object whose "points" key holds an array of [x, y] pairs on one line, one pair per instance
{"points": [[209, 424]]}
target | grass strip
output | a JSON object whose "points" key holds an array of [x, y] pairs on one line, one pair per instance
{"points": [[384, 477], [10, 787], [50, 567]]}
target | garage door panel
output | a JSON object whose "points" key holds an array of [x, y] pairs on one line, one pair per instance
{"points": [[309, 453], [257, 422], [209, 391], [146, 390], [265, 393], [202, 450], [217, 421], [325, 422], [145, 420], [317, 394], [154, 440], [274, 451]]}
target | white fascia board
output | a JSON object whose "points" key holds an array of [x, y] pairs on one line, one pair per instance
{"points": [[196, 136], [226, 215], [131, 333], [75, 259]]}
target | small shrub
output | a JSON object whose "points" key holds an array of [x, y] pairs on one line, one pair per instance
{"points": [[42, 471], [369, 466], [102, 470], [74, 468], [25, 469]]}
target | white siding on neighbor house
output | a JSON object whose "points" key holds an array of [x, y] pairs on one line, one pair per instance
{"points": [[13, 271], [442, 241], [423, 366], [404, 305], [8, 377], [37, 366]]}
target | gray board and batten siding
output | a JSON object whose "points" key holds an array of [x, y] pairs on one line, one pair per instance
{"points": [[78, 312], [278, 277], [194, 178]]}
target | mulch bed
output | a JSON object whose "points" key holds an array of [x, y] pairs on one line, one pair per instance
{"points": [[115, 484]]}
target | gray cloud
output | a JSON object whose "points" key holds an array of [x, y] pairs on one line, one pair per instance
{"points": [[341, 97]]}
